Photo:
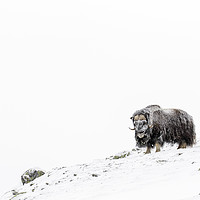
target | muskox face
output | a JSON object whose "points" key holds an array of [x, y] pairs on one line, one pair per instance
{"points": [[141, 128]]}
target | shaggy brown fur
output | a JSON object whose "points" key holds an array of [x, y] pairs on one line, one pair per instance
{"points": [[154, 126]]}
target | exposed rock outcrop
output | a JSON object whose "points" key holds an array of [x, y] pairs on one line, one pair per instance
{"points": [[31, 175]]}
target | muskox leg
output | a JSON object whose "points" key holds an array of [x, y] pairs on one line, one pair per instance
{"points": [[148, 150], [157, 147], [182, 145]]}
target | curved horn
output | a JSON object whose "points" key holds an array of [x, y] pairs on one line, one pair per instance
{"points": [[151, 126], [132, 129]]}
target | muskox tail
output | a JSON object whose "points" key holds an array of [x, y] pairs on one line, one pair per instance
{"points": [[189, 136], [188, 129]]}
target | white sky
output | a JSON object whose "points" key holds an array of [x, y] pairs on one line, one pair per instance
{"points": [[73, 72]]}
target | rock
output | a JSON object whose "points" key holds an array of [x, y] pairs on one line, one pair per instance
{"points": [[14, 192], [94, 175], [122, 155], [31, 175]]}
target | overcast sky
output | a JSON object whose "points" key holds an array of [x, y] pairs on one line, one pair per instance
{"points": [[73, 72]]}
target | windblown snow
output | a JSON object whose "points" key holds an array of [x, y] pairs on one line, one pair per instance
{"points": [[170, 174]]}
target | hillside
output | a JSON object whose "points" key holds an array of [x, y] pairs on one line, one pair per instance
{"points": [[169, 174]]}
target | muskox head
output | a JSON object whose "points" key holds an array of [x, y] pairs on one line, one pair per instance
{"points": [[142, 127]]}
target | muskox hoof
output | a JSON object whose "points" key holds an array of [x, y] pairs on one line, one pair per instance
{"points": [[182, 145], [148, 151], [157, 147]]}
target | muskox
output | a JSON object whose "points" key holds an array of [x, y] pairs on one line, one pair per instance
{"points": [[154, 126]]}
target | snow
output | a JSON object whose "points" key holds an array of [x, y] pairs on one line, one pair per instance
{"points": [[73, 72], [170, 174]]}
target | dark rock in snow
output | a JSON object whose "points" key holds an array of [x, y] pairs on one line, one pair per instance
{"points": [[31, 175]]}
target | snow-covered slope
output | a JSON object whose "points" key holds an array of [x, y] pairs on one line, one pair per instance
{"points": [[169, 174]]}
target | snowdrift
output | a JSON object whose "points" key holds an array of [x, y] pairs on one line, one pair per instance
{"points": [[169, 174]]}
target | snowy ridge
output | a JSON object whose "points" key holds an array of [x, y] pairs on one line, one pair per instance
{"points": [[169, 174]]}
